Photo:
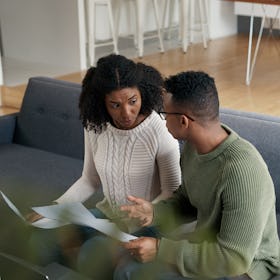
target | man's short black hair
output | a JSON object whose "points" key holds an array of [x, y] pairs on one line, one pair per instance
{"points": [[196, 92]]}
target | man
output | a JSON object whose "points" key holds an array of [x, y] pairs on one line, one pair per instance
{"points": [[226, 187]]}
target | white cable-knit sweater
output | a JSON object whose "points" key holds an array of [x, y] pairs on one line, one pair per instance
{"points": [[143, 161]]}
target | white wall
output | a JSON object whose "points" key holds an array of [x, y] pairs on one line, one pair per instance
{"points": [[223, 21], [48, 31], [45, 31]]}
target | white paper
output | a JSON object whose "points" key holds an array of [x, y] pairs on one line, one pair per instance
{"points": [[42, 223], [47, 223], [62, 214], [12, 206], [77, 213], [74, 212]]}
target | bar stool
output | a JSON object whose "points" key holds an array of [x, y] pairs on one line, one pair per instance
{"points": [[202, 25], [91, 28], [1, 70], [187, 20], [139, 35], [1, 78]]}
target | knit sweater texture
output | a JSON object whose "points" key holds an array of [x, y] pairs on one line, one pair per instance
{"points": [[231, 194], [143, 161]]}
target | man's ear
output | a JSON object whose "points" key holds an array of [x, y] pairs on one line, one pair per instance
{"points": [[184, 121]]}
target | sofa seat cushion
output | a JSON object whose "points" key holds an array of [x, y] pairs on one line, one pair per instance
{"points": [[278, 223], [31, 177]]}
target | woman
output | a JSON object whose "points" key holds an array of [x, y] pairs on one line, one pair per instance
{"points": [[128, 149]]}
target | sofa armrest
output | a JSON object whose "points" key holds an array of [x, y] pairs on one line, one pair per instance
{"points": [[7, 128]]}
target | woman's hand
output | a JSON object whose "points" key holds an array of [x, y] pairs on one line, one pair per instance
{"points": [[141, 210], [33, 217]]}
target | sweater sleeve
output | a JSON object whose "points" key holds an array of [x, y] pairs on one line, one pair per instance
{"points": [[174, 211], [168, 162], [229, 250], [88, 183]]}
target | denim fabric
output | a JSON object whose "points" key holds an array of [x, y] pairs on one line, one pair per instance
{"points": [[100, 254], [53, 245], [130, 269]]}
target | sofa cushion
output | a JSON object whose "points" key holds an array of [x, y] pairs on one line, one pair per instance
{"points": [[278, 223], [7, 128], [33, 177], [49, 117], [264, 133]]}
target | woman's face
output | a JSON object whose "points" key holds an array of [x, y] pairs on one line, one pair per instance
{"points": [[124, 106]]}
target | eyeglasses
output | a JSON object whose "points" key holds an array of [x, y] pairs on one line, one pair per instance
{"points": [[163, 115]]}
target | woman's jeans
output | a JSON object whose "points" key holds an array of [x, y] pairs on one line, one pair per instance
{"points": [[103, 258], [59, 245], [99, 256]]}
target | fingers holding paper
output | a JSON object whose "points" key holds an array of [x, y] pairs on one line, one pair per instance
{"points": [[144, 249], [33, 217], [141, 210]]}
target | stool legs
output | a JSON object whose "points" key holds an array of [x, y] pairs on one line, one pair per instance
{"points": [[1, 74], [139, 35], [140, 25], [91, 26], [1, 79], [202, 6], [155, 3], [112, 25], [203, 21], [167, 10], [187, 13], [184, 22], [91, 30]]}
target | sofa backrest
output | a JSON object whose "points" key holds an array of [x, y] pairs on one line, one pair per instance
{"points": [[263, 132], [49, 117]]}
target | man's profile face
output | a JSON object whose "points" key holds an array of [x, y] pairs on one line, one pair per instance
{"points": [[172, 120]]}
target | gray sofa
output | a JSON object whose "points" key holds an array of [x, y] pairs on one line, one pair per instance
{"points": [[41, 147]]}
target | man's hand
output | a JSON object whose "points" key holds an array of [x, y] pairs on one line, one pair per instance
{"points": [[141, 210], [144, 249]]}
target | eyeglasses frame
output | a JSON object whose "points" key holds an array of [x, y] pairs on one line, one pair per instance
{"points": [[163, 115]]}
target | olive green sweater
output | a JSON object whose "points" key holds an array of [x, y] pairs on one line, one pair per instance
{"points": [[231, 194]]}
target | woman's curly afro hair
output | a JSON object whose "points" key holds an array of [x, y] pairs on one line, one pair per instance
{"points": [[115, 72]]}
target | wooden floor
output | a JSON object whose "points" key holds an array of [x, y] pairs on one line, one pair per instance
{"points": [[225, 59]]}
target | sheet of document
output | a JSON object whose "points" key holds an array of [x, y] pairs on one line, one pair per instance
{"points": [[48, 223], [77, 213], [12, 206], [42, 223]]}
